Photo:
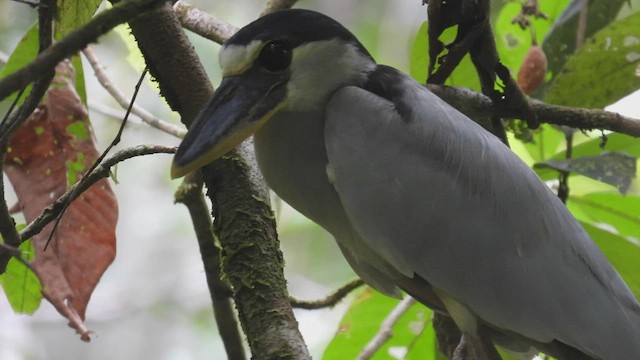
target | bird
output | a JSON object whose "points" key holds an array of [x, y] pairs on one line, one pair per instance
{"points": [[418, 197]]}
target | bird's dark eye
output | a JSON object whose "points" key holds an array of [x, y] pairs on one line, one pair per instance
{"points": [[275, 56]]}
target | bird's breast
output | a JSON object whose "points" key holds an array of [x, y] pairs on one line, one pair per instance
{"points": [[291, 153], [290, 150]]}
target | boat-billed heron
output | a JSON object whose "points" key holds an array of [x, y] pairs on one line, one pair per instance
{"points": [[418, 196]]}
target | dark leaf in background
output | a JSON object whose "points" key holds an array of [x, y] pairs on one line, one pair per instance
{"points": [[51, 150], [560, 42], [614, 168]]}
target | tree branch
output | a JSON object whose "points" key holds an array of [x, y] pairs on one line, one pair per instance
{"points": [[203, 23], [244, 223], [329, 301], [74, 42], [101, 171], [478, 107], [46, 11], [10, 236], [190, 194]]}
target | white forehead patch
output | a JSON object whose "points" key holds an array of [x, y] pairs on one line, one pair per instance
{"points": [[235, 59]]}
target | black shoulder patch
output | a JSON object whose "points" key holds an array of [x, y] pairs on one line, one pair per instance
{"points": [[388, 83], [295, 26]]}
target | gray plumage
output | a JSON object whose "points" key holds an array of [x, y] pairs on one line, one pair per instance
{"points": [[436, 195], [418, 196]]}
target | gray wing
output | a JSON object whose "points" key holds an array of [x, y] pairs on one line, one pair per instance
{"points": [[438, 196]]}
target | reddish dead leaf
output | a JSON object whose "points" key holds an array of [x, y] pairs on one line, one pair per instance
{"points": [[50, 151]]}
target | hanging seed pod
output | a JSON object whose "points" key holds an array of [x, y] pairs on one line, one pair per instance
{"points": [[533, 70]]}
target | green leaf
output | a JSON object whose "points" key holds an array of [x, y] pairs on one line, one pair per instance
{"points": [[20, 284], [546, 142], [73, 14], [24, 53], [413, 332], [618, 212], [621, 253], [613, 168], [79, 85], [560, 42], [419, 60], [464, 74], [603, 70], [612, 142], [512, 41]]}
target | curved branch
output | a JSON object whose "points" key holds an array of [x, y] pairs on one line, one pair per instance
{"points": [[101, 171], [74, 42], [190, 194], [203, 23], [244, 223], [329, 301], [477, 106]]}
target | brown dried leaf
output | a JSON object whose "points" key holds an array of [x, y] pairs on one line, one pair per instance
{"points": [[532, 70], [53, 149]]}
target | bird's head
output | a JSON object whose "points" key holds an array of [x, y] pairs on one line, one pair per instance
{"points": [[291, 60]]}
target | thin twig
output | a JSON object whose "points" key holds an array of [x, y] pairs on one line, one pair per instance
{"points": [[112, 112], [203, 23], [114, 142], [329, 301], [16, 254], [386, 329], [581, 32], [190, 194], [121, 99], [101, 171], [563, 187], [74, 42]]}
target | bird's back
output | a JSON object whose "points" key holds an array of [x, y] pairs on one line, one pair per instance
{"points": [[442, 198]]}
